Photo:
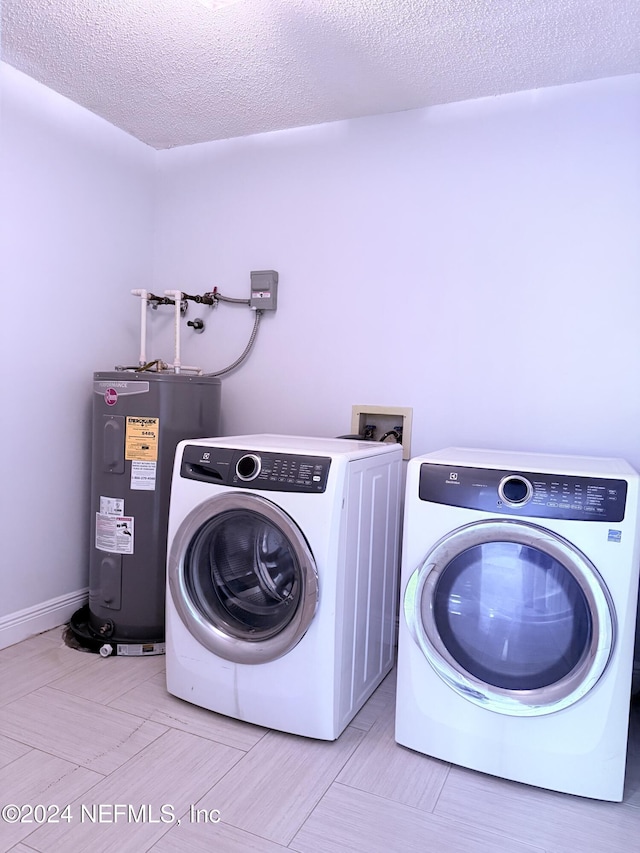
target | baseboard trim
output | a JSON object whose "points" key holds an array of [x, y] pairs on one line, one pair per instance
{"points": [[19, 626]]}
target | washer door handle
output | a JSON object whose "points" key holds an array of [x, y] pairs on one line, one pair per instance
{"points": [[412, 596]]}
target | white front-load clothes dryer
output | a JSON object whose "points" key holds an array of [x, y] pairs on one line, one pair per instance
{"points": [[282, 577], [518, 602]]}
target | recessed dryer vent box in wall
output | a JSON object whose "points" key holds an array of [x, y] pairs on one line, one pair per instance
{"points": [[382, 422], [264, 290]]}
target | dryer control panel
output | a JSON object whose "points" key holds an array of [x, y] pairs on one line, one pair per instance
{"points": [[518, 493], [274, 472]]}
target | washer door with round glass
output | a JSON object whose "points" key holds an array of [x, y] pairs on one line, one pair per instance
{"points": [[512, 617], [242, 578]]}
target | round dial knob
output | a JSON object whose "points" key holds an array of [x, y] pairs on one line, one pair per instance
{"points": [[248, 466], [515, 490]]}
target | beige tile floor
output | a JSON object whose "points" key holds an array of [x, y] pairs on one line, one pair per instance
{"points": [[140, 770]]}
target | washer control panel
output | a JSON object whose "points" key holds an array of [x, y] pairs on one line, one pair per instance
{"points": [[274, 472], [524, 493]]}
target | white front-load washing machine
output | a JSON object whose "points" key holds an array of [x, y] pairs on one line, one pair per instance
{"points": [[518, 603], [282, 577]]}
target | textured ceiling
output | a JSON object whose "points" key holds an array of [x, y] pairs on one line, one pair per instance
{"points": [[174, 72]]}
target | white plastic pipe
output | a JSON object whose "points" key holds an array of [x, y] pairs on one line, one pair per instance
{"points": [[176, 295], [186, 368], [144, 298]]}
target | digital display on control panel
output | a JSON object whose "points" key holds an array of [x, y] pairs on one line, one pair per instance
{"points": [[547, 495], [287, 472]]}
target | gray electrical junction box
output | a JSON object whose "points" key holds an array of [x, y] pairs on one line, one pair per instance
{"points": [[264, 290]]}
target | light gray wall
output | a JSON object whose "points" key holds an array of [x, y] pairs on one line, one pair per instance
{"points": [[478, 262], [75, 236]]}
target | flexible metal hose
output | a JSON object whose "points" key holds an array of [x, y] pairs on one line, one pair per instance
{"points": [[248, 348]]}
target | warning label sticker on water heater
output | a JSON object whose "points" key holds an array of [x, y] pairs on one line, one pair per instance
{"points": [[143, 476], [114, 533], [141, 440], [111, 506]]}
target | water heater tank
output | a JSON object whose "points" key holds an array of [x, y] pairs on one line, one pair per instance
{"points": [[138, 419]]}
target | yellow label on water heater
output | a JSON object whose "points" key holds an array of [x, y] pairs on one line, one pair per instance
{"points": [[141, 442]]}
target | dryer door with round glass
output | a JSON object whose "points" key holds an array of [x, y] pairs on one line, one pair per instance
{"points": [[243, 578], [511, 616]]}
